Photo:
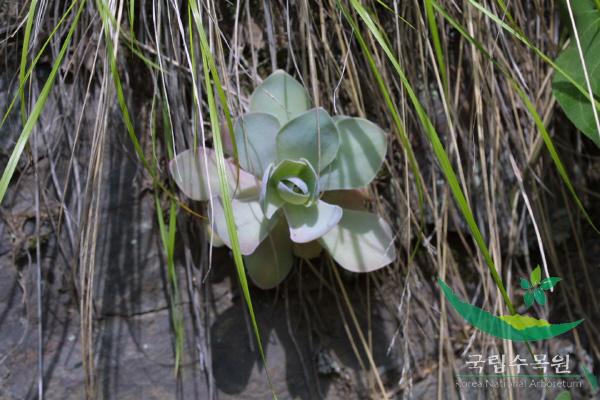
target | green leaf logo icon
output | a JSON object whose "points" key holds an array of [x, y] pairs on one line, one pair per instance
{"points": [[534, 289], [536, 276], [549, 283], [518, 328], [528, 298], [539, 296]]}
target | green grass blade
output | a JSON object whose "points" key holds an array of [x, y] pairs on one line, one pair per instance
{"points": [[437, 45], [438, 149], [108, 19], [24, 53], [37, 108], [210, 71], [167, 234], [552, 151], [505, 11], [105, 15], [23, 82]]}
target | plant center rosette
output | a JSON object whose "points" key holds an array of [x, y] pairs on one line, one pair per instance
{"points": [[298, 186]]}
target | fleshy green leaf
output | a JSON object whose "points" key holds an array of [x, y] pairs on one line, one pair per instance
{"points": [[525, 284], [310, 223], [353, 199], [255, 136], [293, 190], [197, 176], [312, 136], [361, 242], [539, 296], [574, 103], [337, 118], [272, 261], [280, 95], [250, 222], [362, 149], [301, 172], [536, 276], [270, 200], [549, 283], [528, 299], [215, 240], [293, 182], [308, 250]]}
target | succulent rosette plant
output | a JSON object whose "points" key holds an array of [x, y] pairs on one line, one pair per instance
{"points": [[290, 155]]}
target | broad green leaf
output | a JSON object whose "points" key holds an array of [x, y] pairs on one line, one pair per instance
{"points": [[255, 135], [528, 299], [521, 322], [310, 223], [526, 101], [574, 103], [312, 136], [525, 284], [361, 242], [362, 149], [280, 95], [250, 222], [197, 176], [272, 261], [587, 15], [536, 276], [539, 296], [549, 283]]}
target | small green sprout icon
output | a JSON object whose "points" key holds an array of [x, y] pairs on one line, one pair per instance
{"points": [[535, 289]]}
